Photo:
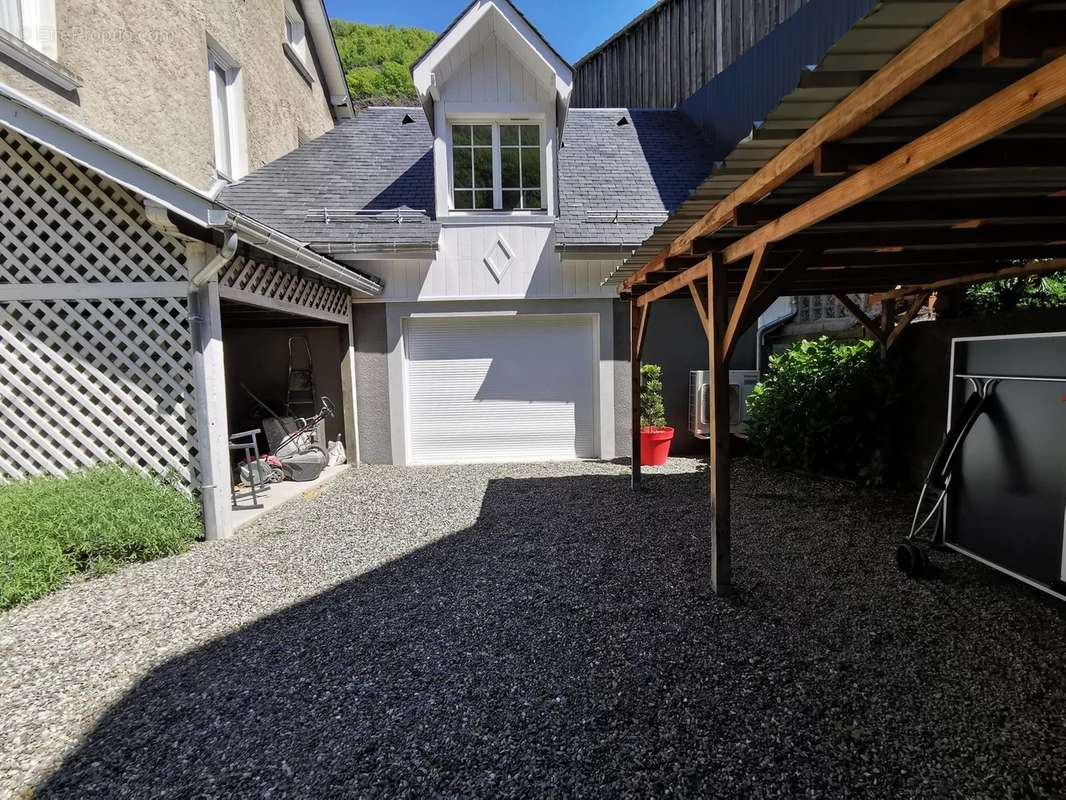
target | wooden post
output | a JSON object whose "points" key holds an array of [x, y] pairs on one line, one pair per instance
{"points": [[718, 375], [636, 334], [888, 322]]}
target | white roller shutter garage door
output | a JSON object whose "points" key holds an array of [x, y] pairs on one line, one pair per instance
{"points": [[501, 388]]}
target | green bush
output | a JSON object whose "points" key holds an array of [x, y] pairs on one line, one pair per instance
{"points": [[96, 520], [652, 412], [821, 407]]}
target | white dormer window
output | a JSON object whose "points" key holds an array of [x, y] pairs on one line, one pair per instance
{"points": [[497, 166], [295, 34]]}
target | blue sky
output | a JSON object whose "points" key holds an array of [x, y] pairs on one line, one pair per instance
{"points": [[572, 26]]}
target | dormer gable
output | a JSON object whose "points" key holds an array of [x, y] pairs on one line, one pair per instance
{"points": [[493, 20], [496, 95]]}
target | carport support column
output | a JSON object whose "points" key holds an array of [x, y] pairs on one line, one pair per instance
{"points": [[209, 377], [349, 389], [718, 394]]}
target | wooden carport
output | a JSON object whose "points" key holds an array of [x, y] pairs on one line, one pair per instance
{"points": [[945, 167]]}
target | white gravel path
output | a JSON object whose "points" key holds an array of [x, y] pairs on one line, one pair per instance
{"points": [[539, 629]]}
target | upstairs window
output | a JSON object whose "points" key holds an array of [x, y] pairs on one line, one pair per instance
{"points": [[223, 75], [11, 17], [497, 167], [32, 22], [472, 159], [295, 35]]}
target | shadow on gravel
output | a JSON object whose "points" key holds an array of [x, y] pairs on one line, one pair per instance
{"points": [[566, 643]]}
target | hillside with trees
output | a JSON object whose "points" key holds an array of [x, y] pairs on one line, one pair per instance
{"points": [[377, 60]]}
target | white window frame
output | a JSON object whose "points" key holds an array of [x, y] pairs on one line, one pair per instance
{"points": [[497, 167], [38, 25], [294, 31], [36, 45], [225, 86]]}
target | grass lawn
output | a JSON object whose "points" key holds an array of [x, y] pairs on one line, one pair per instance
{"points": [[96, 520]]}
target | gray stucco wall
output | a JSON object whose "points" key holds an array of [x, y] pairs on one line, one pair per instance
{"points": [[143, 67], [676, 342], [372, 384]]}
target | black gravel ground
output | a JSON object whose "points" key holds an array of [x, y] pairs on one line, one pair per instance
{"points": [[512, 631]]}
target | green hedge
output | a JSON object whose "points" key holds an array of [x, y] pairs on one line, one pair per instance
{"points": [[96, 520], [822, 407]]}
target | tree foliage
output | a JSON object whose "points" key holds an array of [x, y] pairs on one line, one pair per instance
{"points": [[1009, 294], [822, 407], [652, 412], [377, 60]]}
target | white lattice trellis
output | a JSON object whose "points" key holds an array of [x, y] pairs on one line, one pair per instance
{"points": [[100, 379], [260, 283], [90, 381], [63, 223]]}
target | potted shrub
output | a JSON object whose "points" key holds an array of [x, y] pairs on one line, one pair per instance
{"points": [[655, 434]]}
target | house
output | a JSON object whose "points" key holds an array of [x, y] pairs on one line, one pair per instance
{"points": [[492, 214], [133, 302], [166, 252]]}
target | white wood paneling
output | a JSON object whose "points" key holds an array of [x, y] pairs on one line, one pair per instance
{"points": [[493, 74], [459, 271]]}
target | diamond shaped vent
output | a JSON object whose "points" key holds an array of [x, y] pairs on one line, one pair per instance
{"points": [[499, 259]]}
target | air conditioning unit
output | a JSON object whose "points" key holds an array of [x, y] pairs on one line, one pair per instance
{"points": [[741, 384]]}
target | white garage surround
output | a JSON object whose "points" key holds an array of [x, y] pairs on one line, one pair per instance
{"points": [[492, 386]]}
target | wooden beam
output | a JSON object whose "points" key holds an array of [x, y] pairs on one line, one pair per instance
{"points": [[1032, 268], [836, 158], [643, 329], [780, 284], [1037, 93], [917, 258], [700, 309], [742, 308], [677, 282], [1024, 34], [978, 234], [950, 38], [861, 316], [943, 211], [888, 321], [912, 312], [718, 392]]}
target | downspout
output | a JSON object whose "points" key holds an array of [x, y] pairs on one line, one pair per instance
{"points": [[221, 257], [207, 372], [769, 327]]}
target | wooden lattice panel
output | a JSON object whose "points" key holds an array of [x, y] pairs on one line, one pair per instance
{"points": [[90, 381], [287, 289], [63, 223]]}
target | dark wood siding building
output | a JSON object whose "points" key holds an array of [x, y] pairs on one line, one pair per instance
{"points": [[672, 50]]}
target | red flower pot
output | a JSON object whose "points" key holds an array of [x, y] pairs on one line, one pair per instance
{"points": [[655, 446]]}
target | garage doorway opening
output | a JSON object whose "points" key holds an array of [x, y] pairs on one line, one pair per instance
{"points": [[281, 366]]}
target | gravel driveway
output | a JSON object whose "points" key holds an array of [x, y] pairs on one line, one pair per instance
{"points": [[540, 630]]}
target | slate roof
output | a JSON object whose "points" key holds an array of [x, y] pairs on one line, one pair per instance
{"points": [[373, 162], [618, 182]]}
